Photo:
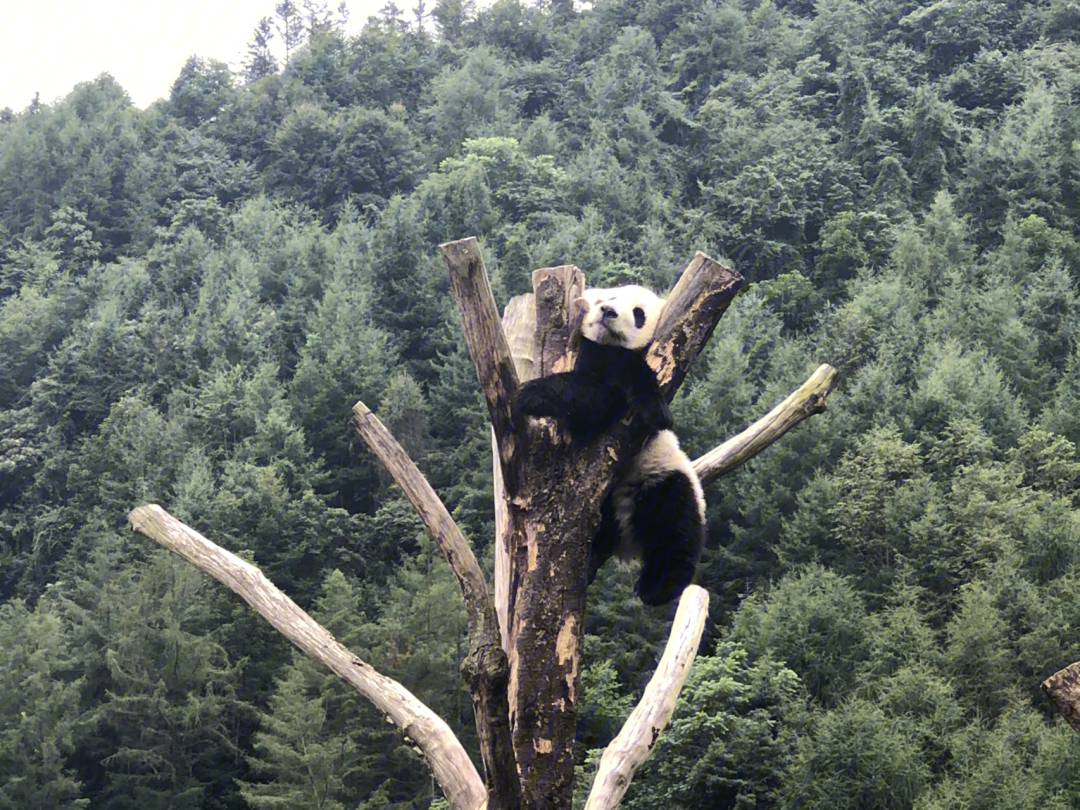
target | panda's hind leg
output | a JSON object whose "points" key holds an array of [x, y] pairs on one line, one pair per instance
{"points": [[669, 531]]}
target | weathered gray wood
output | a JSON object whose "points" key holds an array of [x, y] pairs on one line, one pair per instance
{"points": [[484, 336], [805, 401], [485, 666], [445, 756], [635, 741], [519, 325]]}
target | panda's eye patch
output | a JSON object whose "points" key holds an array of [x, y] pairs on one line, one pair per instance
{"points": [[639, 317]]}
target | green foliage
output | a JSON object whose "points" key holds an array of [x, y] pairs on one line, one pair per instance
{"points": [[39, 711], [816, 624], [159, 720], [731, 740], [857, 757], [193, 296]]}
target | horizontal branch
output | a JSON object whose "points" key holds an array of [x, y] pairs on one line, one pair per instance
{"points": [[445, 755], [485, 667], [807, 400], [632, 745]]}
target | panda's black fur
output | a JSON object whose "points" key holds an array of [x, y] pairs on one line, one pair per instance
{"points": [[655, 512]]}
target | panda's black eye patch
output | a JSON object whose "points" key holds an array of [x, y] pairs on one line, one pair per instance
{"points": [[639, 317]]}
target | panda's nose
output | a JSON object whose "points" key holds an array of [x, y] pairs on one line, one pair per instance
{"points": [[607, 312]]}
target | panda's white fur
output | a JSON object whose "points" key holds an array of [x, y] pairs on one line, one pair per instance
{"points": [[621, 316]]}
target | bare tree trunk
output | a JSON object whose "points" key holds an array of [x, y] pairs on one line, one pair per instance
{"points": [[555, 496], [525, 645]]}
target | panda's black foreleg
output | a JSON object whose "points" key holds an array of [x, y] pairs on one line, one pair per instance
{"points": [[581, 402], [670, 532], [546, 396], [642, 391]]}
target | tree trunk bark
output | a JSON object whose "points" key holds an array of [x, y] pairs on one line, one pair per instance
{"points": [[555, 495]]}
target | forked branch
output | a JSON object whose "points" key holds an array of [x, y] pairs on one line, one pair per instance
{"points": [[445, 756]]}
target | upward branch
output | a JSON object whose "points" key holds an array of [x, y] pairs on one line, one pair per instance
{"points": [[484, 336], [805, 401], [485, 667]]}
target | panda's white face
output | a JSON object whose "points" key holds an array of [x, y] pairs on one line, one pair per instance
{"points": [[621, 316]]}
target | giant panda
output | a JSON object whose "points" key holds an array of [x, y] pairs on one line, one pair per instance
{"points": [[655, 512]]}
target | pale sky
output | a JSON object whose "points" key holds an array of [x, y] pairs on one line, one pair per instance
{"points": [[52, 45]]}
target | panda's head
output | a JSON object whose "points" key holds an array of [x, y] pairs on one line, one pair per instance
{"points": [[621, 316]]}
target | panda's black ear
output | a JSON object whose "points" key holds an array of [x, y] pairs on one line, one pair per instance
{"points": [[639, 317]]}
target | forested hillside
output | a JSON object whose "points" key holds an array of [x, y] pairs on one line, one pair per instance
{"points": [[193, 296]]}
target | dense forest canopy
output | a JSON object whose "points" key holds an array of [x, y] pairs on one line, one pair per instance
{"points": [[192, 297]]}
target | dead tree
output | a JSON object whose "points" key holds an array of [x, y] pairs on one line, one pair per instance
{"points": [[1063, 689], [525, 640]]}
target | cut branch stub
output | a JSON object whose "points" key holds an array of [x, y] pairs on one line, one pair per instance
{"points": [[445, 756], [484, 336], [556, 290], [693, 308], [1063, 688], [519, 326]]}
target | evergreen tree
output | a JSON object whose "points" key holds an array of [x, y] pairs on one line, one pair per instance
{"points": [[260, 59]]}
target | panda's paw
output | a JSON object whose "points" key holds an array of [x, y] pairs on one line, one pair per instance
{"points": [[658, 586], [656, 414], [531, 400]]}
